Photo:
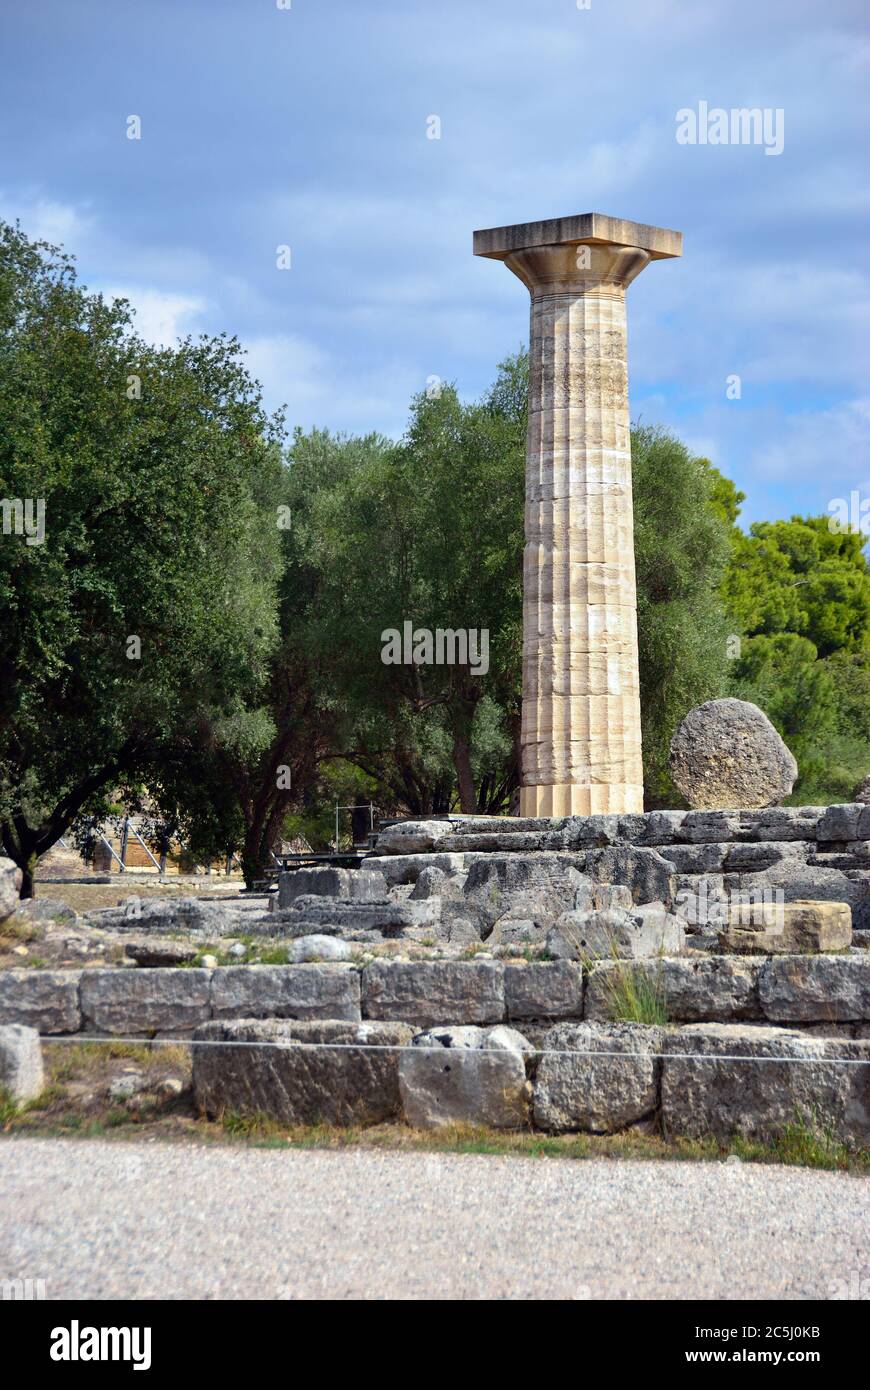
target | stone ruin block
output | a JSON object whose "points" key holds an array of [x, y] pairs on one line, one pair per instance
{"points": [[360, 885], [598, 1094], [286, 991], [788, 1079], [303, 1080], [788, 928], [465, 1075], [434, 992]]}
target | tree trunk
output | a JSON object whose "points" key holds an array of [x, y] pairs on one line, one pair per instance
{"points": [[28, 874], [465, 777], [20, 848], [254, 854]]}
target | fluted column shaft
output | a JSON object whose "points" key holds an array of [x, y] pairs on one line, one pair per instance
{"points": [[581, 735]]}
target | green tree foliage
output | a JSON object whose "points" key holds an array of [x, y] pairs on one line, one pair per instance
{"points": [[800, 576], [681, 550], [154, 467], [430, 532], [800, 591]]}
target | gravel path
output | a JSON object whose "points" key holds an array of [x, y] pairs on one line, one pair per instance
{"points": [[114, 1220]]}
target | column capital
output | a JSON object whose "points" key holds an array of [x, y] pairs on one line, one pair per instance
{"points": [[578, 267], [585, 227]]}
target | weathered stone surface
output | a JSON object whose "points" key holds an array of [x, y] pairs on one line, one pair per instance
{"points": [[407, 867], [843, 822], [360, 885], [10, 886], [698, 859], [727, 754], [188, 916], [788, 928], [517, 932], [536, 886], [606, 897], [352, 1082], [693, 988], [710, 827], [316, 948], [471, 1076], [601, 1094], [21, 1074], [286, 991], [653, 828], [853, 854], [434, 883], [459, 931], [544, 989], [701, 901], [799, 882], [647, 930], [47, 1000], [155, 951], [761, 855], [781, 823], [430, 992], [412, 836], [45, 910], [332, 917], [802, 1083], [862, 791], [648, 875], [133, 1002], [816, 989]]}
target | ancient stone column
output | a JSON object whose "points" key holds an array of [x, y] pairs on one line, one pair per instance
{"points": [[581, 746]]}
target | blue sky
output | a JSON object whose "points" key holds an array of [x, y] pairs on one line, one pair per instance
{"points": [[307, 127]]}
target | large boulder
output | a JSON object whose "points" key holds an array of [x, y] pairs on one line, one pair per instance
{"points": [[598, 1077], [185, 916], [10, 886], [286, 991], [544, 989], [466, 1075], [356, 920], [726, 754], [300, 1073], [799, 882], [134, 1002], [156, 952], [21, 1074]]}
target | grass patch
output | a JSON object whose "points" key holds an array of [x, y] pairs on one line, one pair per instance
{"points": [[798, 1145], [16, 931], [803, 1145], [634, 993]]}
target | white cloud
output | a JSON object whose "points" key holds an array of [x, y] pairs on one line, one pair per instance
{"points": [[827, 445], [46, 219], [320, 389], [161, 317]]}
